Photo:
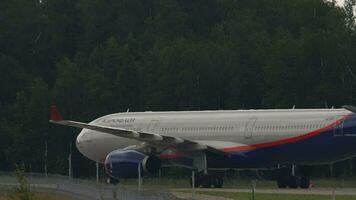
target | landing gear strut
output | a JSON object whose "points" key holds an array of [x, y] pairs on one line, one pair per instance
{"points": [[203, 179], [288, 178], [207, 181]]}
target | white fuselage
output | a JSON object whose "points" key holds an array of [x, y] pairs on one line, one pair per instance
{"points": [[220, 129]]}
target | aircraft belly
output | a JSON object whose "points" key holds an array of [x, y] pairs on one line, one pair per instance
{"points": [[321, 149]]}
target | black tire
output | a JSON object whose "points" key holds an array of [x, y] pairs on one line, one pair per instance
{"points": [[113, 181], [293, 182], [304, 182], [283, 177], [206, 181], [217, 182], [196, 182], [282, 183]]}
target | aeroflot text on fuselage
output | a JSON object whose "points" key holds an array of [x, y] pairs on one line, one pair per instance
{"points": [[118, 121]]}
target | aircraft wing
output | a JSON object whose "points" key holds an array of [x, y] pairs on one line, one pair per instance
{"points": [[153, 139]]}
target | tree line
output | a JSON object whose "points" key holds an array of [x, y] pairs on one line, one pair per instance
{"points": [[92, 58]]}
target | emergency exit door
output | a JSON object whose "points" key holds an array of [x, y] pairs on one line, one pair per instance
{"points": [[152, 126], [250, 124]]}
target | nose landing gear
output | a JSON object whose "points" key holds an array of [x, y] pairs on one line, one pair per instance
{"points": [[110, 180]]}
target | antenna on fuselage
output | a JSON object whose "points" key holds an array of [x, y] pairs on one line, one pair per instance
{"points": [[293, 107], [128, 110]]}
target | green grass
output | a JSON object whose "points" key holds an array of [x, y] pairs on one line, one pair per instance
{"points": [[335, 183], [167, 182], [42, 196], [247, 196]]}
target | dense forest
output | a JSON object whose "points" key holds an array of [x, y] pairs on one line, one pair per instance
{"points": [[92, 58]]}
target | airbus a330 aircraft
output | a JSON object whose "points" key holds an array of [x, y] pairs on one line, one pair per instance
{"points": [[208, 140]]}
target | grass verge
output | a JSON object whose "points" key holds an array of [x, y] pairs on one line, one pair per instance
{"points": [[259, 196], [44, 196]]}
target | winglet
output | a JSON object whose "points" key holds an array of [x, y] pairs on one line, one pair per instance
{"points": [[55, 116], [350, 108]]}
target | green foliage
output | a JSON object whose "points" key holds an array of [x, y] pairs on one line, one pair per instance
{"points": [[97, 57], [23, 191]]}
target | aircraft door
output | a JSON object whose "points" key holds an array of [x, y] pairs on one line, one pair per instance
{"points": [[250, 124], [152, 125]]}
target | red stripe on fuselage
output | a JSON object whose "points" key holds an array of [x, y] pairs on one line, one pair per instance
{"points": [[270, 144], [288, 140]]}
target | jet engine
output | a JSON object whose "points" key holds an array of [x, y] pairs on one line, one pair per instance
{"points": [[124, 163]]}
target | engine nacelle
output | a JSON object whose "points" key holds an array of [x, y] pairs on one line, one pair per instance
{"points": [[124, 163], [151, 164]]}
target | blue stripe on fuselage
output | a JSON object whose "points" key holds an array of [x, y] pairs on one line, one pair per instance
{"points": [[320, 149]]}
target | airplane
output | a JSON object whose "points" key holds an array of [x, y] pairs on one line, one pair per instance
{"points": [[204, 141]]}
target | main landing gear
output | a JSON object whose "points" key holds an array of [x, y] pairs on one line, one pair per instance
{"points": [[287, 178], [207, 181], [202, 178], [110, 180]]}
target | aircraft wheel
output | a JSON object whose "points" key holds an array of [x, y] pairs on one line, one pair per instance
{"points": [[113, 181], [218, 182], [283, 177], [293, 182], [304, 182], [282, 183], [206, 181], [197, 181]]}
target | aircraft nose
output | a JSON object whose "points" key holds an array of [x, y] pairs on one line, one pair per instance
{"points": [[80, 139], [87, 146]]}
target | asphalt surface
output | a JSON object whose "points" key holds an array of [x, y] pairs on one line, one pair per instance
{"points": [[85, 190], [89, 190], [311, 191], [184, 195]]}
